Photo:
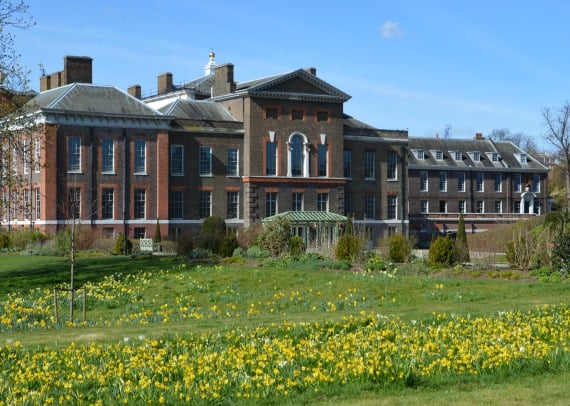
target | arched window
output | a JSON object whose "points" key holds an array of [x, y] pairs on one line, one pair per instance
{"points": [[296, 155]]}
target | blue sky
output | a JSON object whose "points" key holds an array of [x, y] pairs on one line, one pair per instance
{"points": [[472, 65]]}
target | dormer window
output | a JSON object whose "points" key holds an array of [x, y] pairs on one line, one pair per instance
{"points": [[420, 154], [476, 156], [495, 157], [458, 156], [523, 158], [439, 155]]}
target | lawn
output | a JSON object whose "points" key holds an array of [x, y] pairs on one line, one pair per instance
{"points": [[198, 312]]}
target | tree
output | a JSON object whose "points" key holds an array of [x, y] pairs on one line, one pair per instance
{"points": [[557, 123], [461, 241], [212, 234], [17, 126]]}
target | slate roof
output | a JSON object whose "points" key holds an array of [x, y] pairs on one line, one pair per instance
{"points": [[508, 155], [201, 86], [197, 110], [95, 99], [308, 216]]}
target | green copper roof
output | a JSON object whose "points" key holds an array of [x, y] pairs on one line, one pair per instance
{"points": [[307, 216]]}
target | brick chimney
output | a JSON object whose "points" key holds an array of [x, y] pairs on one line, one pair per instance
{"points": [[76, 69], [135, 91], [479, 136], [224, 80], [164, 82]]}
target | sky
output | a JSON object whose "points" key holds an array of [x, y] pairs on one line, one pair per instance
{"points": [[437, 67]]}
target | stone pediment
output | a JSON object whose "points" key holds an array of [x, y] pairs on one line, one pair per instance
{"points": [[298, 84]]}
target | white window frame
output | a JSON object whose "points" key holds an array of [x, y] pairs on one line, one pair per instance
{"points": [[105, 156], [461, 182], [232, 164], [177, 162], [140, 157], [498, 182], [205, 160], [443, 181], [424, 180], [74, 154]]}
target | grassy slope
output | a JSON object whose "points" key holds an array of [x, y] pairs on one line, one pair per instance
{"points": [[411, 296]]}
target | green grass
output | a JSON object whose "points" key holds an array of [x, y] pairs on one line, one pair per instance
{"points": [[26, 272], [301, 293]]}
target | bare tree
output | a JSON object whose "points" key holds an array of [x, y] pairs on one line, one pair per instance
{"points": [[521, 140], [17, 125], [557, 122]]}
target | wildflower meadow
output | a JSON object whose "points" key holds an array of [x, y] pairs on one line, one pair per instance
{"points": [[224, 334]]}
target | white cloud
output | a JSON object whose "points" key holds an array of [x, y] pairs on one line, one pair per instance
{"points": [[391, 30]]}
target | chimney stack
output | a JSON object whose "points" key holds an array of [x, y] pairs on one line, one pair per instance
{"points": [[165, 83], [135, 91], [224, 80], [479, 136], [76, 69]]}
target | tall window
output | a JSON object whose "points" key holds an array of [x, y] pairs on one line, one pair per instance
{"points": [[271, 158], [107, 203], [270, 204], [74, 202], [177, 160], [297, 201], [74, 154], [536, 183], [140, 203], [498, 206], [461, 182], [26, 157], [424, 206], [205, 204], [27, 208], [232, 205], [108, 158], [480, 206], [479, 182], [233, 154], [443, 206], [461, 206], [205, 161], [347, 164], [370, 206], [322, 201], [140, 156], [443, 181], [38, 203], [392, 166], [296, 155], [370, 165], [37, 155], [423, 181], [322, 153], [517, 180], [392, 207], [498, 182], [176, 204]]}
